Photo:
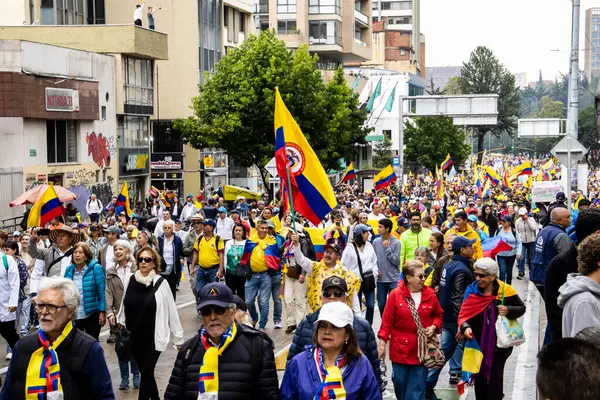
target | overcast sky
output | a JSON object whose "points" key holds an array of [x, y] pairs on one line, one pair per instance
{"points": [[520, 32]]}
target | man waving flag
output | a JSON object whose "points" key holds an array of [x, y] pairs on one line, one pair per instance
{"points": [[310, 193]]}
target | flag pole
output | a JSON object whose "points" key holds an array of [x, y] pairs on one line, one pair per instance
{"points": [[289, 187]]}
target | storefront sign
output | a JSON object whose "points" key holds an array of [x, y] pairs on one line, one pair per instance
{"points": [[62, 100], [208, 162], [545, 191], [136, 162], [166, 161], [133, 162]]}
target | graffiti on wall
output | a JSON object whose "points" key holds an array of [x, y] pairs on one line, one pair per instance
{"points": [[101, 148], [103, 192]]}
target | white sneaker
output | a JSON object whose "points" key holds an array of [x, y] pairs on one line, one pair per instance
{"points": [[8, 356], [278, 325]]}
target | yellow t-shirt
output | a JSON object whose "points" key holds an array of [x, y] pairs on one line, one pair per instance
{"points": [[319, 273], [257, 258], [208, 253]]}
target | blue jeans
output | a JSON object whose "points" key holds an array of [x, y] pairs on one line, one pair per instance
{"points": [[449, 345], [505, 267], [259, 286], [369, 303], [383, 290], [409, 381], [25, 311], [124, 369], [204, 277], [456, 360], [275, 288], [527, 251]]}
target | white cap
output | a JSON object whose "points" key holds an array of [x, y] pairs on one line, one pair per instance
{"points": [[522, 211], [337, 313]]}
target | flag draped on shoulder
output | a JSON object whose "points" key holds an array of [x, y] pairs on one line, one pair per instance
{"points": [[349, 174], [48, 206], [384, 178], [310, 191], [123, 200], [267, 248]]}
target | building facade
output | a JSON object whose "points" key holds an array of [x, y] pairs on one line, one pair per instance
{"points": [[441, 75], [592, 43], [338, 31]]}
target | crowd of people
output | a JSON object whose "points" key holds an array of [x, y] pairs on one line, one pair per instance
{"points": [[423, 259]]}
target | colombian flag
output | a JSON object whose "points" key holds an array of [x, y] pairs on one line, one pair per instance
{"points": [[310, 191], [48, 206], [349, 174], [384, 178], [494, 245], [270, 249], [523, 169], [447, 163], [471, 362], [492, 175], [123, 200]]}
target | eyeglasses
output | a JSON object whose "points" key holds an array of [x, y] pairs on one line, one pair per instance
{"points": [[422, 276], [480, 275], [333, 293], [198, 223], [206, 311], [147, 260], [51, 308]]}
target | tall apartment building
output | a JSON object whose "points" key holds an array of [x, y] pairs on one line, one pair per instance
{"points": [[592, 43], [338, 31]]}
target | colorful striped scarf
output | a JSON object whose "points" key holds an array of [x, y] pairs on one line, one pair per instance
{"points": [[208, 377], [332, 384], [43, 371]]}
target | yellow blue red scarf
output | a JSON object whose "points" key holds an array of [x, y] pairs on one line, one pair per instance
{"points": [[332, 384], [208, 378], [43, 371]]}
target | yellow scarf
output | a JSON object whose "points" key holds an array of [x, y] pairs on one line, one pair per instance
{"points": [[332, 383], [43, 371], [208, 378]]}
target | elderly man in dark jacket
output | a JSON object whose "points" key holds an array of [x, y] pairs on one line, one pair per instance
{"points": [[333, 289], [226, 359]]}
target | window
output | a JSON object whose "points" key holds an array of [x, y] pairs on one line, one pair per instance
{"points": [[325, 32], [357, 35], [31, 15], [286, 6], [96, 14], [133, 131], [61, 137], [225, 15], [138, 85], [242, 22], [47, 12], [263, 6], [264, 25], [324, 7], [209, 35], [70, 12], [403, 20], [286, 27]]}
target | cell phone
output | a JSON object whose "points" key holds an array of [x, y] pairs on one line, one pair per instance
{"points": [[43, 232]]}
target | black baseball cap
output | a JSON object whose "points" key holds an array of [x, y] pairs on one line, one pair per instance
{"points": [[334, 281], [239, 303], [215, 294], [333, 246]]}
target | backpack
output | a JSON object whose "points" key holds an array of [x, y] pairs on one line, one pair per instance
{"points": [[217, 238]]}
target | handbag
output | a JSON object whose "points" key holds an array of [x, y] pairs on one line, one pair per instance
{"points": [[509, 332], [123, 343], [432, 355], [368, 279]]}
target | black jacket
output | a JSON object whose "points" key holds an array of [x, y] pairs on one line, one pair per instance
{"points": [[364, 333], [516, 309], [246, 368], [556, 276]]}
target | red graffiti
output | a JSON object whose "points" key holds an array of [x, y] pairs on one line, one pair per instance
{"points": [[98, 148]]}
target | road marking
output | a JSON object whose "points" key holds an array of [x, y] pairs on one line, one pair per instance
{"points": [[281, 358], [526, 361], [107, 331]]}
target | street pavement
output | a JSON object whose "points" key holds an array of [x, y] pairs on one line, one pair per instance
{"points": [[519, 376]]}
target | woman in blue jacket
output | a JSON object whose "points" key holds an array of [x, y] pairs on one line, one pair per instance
{"points": [[88, 277], [333, 367]]}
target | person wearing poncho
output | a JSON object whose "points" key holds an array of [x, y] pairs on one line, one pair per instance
{"points": [[226, 360], [485, 299], [59, 361]]}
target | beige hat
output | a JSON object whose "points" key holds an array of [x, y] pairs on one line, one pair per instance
{"points": [[197, 216], [75, 237]]}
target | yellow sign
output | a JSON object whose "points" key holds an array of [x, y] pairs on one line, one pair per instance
{"points": [[231, 193], [208, 162]]}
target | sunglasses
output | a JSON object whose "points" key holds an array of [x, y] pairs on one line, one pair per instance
{"points": [[198, 223], [147, 260], [333, 293], [206, 311], [422, 276], [479, 275]]}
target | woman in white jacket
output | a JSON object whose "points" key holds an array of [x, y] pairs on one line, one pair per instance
{"points": [[148, 311], [362, 248], [9, 298]]}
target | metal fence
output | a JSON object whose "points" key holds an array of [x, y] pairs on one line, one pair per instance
{"points": [[11, 186]]}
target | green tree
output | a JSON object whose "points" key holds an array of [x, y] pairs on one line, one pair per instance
{"points": [[588, 130], [433, 90], [382, 153], [551, 109], [484, 74], [452, 87], [234, 110], [429, 139]]}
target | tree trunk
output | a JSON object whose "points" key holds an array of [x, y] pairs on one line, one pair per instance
{"points": [[480, 141]]}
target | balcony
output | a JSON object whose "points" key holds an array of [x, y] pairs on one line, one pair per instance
{"points": [[325, 40], [361, 18]]}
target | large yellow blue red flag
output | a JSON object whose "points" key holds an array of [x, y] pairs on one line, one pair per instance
{"points": [[384, 178], [349, 174], [492, 175], [310, 191], [48, 206], [123, 200], [523, 169]]}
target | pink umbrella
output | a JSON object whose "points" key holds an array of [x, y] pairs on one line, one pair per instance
{"points": [[31, 196]]}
